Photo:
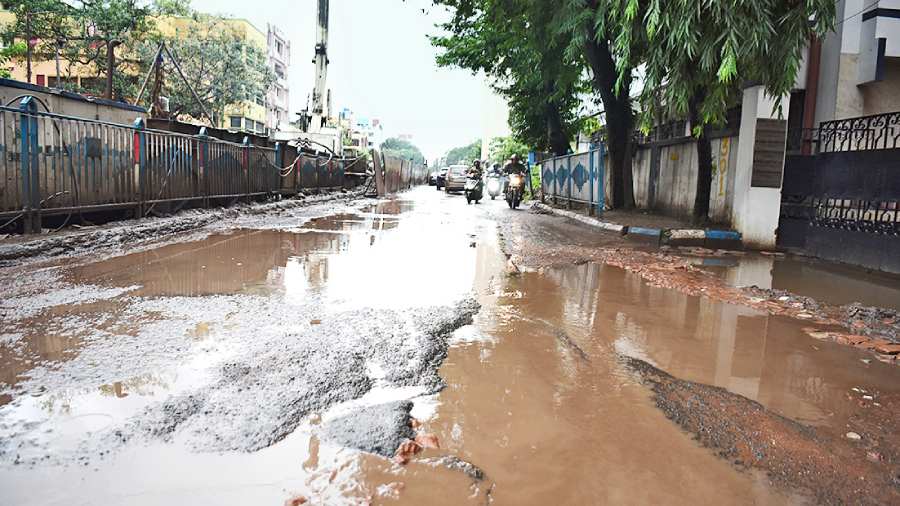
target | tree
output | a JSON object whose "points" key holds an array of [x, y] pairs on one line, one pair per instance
{"points": [[394, 146], [697, 54], [595, 28], [87, 33], [502, 149], [220, 64], [516, 44], [15, 51], [464, 154]]}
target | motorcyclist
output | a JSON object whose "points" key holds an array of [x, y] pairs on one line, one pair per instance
{"points": [[475, 171], [514, 166]]}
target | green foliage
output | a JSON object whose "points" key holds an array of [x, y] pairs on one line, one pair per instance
{"points": [[402, 149], [502, 149], [14, 51], [81, 31], [590, 125], [516, 44], [219, 63], [172, 7], [464, 154], [697, 54]]}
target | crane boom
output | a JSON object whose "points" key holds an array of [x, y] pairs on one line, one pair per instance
{"points": [[321, 60]]}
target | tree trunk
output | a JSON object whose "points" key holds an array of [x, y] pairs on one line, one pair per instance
{"points": [[559, 141], [619, 116], [110, 67], [704, 160]]}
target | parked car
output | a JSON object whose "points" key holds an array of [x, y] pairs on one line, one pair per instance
{"points": [[440, 178], [456, 178], [432, 178]]}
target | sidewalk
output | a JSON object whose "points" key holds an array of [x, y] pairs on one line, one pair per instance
{"points": [[653, 227]]}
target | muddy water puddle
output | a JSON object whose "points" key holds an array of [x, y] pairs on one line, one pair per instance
{"points": [[824, 281], [537, 399], [543, 404]]}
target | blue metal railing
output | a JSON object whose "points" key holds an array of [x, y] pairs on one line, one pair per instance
{"points": [[577, 177]]}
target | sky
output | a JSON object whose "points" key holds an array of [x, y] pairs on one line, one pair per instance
{"points": [[382, 66]]}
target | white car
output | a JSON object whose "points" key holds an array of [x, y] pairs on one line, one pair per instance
{"points": [[456, 178]]}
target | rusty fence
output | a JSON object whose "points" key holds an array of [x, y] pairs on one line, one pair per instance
{"points": [[52, 164], [393, 174]]}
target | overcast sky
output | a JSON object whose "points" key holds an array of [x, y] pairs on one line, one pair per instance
{"points": [[382, 65]]}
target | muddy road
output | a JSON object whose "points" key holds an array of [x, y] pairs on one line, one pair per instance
{"points": [[422, 351]]}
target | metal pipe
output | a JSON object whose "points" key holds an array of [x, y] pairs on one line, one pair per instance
{"points": [[194, 93]]}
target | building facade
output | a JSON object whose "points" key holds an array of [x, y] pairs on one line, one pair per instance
{"points": [[260, 115], [278, 97], [855, 69]]}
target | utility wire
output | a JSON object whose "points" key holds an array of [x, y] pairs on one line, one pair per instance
{"points": [[863, 10]]}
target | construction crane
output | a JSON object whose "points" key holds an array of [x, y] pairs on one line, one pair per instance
{"points": [[314, 118]]}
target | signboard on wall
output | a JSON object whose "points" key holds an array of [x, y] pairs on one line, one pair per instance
{"points": [[768, 153]]}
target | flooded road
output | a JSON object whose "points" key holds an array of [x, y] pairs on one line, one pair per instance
{"points": [[244, 367]]}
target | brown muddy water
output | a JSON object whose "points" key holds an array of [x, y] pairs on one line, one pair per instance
{"points": [[536, 395], [824, 281]]}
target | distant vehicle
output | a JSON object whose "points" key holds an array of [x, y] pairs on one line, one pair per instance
{"points": [[456, 178], [494, 185], [440, 178], [432, 178]]}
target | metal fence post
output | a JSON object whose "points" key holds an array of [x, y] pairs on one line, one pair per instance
{"points": [[318, 173], [569, 182], [555, 179], [591, 154], [601, 180], [279, 162], [31, 189], [203, 163], [139, 145], [245, 164]]}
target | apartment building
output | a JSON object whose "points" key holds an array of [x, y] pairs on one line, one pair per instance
{"points": [[260, 114], [278, 97]]}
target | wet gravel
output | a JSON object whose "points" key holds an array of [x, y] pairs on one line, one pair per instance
{"points": [[378, 429], [272, 375], [831, 469], [128, 232]]}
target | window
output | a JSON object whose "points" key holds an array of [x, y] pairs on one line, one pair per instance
{"points": [[236, 122], [41, 80], [259, 99], [278, 47], [279, 71]]}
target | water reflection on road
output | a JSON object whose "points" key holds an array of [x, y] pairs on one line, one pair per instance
{"points": [[536, 395]]}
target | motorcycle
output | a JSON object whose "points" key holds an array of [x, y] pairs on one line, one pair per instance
{"points": [[515, 190], [474, 189], [494, 186]]}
